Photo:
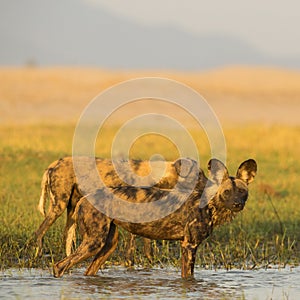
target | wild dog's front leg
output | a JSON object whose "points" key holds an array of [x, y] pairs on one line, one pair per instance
{"points": [[188, 256], [94, 228], [195, 232], [109, 247], [88, 248]]}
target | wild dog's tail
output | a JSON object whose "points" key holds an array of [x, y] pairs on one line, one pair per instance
{"points": [[44, 193]]}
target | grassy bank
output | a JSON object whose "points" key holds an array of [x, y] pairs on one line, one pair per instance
{"points": [[267, 232]]}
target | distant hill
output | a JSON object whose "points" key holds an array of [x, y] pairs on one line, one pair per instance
{"points": [[70, 32]]}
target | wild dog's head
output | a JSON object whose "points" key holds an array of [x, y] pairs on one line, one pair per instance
{"points": [[232, 192]]}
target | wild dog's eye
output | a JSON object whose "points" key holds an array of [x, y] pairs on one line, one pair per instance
{"points": [[226, 193]]}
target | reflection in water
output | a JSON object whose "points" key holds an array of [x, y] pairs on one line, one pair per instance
{"points": [[118, 283]]}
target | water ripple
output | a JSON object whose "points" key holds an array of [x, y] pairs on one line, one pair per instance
{"points": [[118, 283]]}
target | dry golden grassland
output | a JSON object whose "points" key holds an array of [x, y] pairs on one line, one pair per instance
{"points": [[236, 94], [38, 111]]}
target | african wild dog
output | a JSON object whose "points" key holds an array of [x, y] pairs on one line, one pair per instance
{"points": [[60, 184], [190, 224]]}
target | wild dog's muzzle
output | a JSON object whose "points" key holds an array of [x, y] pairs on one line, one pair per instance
{"points": [[239, 203]]}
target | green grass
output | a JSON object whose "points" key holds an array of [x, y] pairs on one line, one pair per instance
{"points": [[265, 233]]}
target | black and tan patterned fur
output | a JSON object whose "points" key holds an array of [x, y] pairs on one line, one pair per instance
{"points": [[59, 184], [190, 224]]}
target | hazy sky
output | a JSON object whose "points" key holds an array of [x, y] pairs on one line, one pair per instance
{"points": [[271, 26]]}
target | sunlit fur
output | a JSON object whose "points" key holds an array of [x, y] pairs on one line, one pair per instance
{"points": [[60, 185], [191, 223]]}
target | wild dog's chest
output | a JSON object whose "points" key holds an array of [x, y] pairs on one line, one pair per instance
{"points": [[198, 226]]}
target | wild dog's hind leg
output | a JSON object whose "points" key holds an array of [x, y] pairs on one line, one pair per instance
{"points": [[56, 208], [94, 228], [105, 252]]}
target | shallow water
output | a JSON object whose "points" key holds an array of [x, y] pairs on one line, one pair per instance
{"points": [[118, 283]]}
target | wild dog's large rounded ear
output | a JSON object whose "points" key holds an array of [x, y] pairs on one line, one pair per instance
{"points": [[217, 171], [247, 171], [184, 166]]}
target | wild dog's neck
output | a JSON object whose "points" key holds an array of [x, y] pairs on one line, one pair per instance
{"points": [[219, 213]]}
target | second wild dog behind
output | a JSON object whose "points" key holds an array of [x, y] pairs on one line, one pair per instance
{"points": [[190, 224], [60, 184]]}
